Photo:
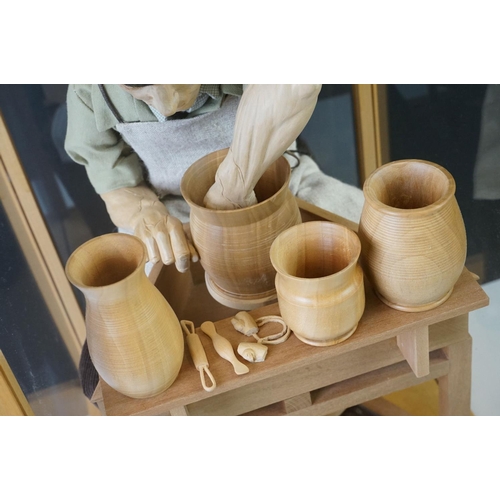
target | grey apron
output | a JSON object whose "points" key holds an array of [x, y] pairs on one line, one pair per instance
{"points": [[169, 148]]}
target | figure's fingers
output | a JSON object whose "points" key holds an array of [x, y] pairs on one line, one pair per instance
{"points": [[149, 241], [163, 241], [180, 247], [160, 233], [194, 254], [187, 231]]}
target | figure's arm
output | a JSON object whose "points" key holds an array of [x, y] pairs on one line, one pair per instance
{"points": [[115, 173], [110, 163], [269, 119]]}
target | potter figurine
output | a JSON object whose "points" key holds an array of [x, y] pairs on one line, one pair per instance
{"points": [[137, 140]]}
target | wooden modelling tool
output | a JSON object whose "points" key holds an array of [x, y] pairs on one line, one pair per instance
{"points": [[198, 355], [223, 348], [252, 351], [245, 324]]}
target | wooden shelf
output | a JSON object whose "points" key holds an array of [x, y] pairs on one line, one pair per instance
{"points": [[389, 351]]}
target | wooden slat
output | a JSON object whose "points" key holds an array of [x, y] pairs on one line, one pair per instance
{"points": [[179, 411], [38, 265], [414, 344], [455, 387], [311, 212], [363, 388], [38, 243], [378, 323], [12, 399], [297, 402]]}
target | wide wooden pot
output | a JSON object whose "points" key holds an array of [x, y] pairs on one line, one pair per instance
{"points": [[234, 244], [134, 337], [412, 234], [319, 281]]}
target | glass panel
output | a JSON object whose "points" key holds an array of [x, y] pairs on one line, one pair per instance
{"points": [[36, 118], [330, 136], [29, 339], [458, 127]]}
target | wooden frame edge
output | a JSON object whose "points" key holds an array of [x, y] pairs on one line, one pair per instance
{"points": [[16, 393], [37, 245], [372, 132]]}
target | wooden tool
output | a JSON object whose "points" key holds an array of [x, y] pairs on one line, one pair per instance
{"points": [[198, 355], [223, 348], [245, 324]]}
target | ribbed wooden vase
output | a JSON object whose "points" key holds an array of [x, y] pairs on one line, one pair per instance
{"points": [[319, 281], [134, 337], [234, 244], [412, 234]]}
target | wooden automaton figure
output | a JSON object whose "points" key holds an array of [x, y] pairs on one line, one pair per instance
{"points": [[136, 141]]}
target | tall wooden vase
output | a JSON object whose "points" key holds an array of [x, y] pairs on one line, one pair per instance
{"points": [[412, 234], [234, 244], [319, 281], [134, 337]]}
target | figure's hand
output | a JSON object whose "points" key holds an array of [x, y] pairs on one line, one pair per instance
{"points": [[226, 193], [138, 210], [268, 120]]}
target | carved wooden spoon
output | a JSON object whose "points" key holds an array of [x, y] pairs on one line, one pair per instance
{"points": [[224, 348]]}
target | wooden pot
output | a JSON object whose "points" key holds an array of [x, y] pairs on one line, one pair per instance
{"points": [[134, 337], [234, 244], [319, 281], [412, 234]]}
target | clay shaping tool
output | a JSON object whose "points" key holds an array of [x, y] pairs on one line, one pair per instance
{"points": [[198, 354], [223, 348]]}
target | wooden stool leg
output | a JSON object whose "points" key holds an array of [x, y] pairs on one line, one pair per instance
{"points": [[414, 345], [297, 402], [180, 411], [455, 387]]}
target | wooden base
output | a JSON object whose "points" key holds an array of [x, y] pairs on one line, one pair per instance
{"points": [[389, 351], [424, 307], [239, 302], [328, 342]]}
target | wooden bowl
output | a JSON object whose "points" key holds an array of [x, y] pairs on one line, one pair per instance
{"points": [[134, 337], [234, 244], [412, 234], [319, 281]]}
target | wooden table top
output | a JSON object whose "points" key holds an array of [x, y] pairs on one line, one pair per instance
{"points": [[379, 322]]}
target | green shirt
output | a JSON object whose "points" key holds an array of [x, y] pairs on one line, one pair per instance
{"points": [[91, 138]]}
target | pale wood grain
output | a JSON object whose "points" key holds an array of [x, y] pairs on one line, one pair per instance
{"points": [[291, 368], [455, 387], [13, 402], [295, 368], [179, 411], [233, 245], [371, 128], [334, 398], [319, 281], [297, 403], [412, 234], [414, 344], [36, 241], [134, 337], [39, 268]]}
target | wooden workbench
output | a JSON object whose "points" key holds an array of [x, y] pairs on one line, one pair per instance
{"points": [[390, 351]]}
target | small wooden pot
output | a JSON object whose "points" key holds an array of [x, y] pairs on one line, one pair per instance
{"points": [[234, 244], [134, 337], [319, 281], [412, 234]]}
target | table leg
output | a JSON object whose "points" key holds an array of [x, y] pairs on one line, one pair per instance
{"points": [[297, 402], [455, 387], [414, 345], [180, 411]]}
